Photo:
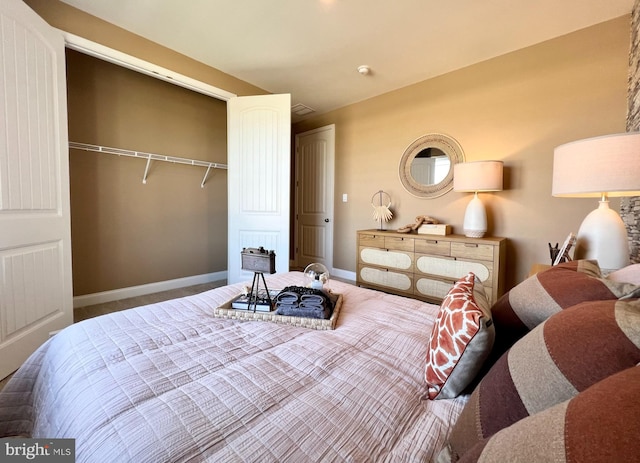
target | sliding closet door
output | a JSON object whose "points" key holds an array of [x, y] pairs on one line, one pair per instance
{"points": [[35, 235], [259, 165]]}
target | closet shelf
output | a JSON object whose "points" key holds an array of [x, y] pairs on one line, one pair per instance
{"points": [[149, 157]]}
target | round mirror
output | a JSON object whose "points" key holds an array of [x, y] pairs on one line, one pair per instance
{"points": [[426, 167]]}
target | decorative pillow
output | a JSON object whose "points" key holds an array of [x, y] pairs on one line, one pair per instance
{"points": [[628, 274], [546, 293], [461, 339], [599, 424], [563, 356]]}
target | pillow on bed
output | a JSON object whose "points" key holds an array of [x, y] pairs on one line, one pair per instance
{"points": [[628, 274], [599, 424], [546, 293], [566, 354], [461, 339]]}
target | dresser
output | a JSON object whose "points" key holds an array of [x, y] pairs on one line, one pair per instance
{"points": [[426, 266]]}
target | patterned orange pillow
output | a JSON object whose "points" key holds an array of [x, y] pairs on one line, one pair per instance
{"points": [[461, 339]]}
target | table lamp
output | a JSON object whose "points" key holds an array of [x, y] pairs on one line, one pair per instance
{"points": [[478, 176], [600, 167]]}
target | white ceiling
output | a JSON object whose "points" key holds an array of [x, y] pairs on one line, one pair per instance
{"points": [[312, 48]]}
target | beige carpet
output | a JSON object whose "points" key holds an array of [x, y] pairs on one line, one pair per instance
{"points": [[82, 313]]}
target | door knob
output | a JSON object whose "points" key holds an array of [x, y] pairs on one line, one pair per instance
{"points": [[326, 220]]}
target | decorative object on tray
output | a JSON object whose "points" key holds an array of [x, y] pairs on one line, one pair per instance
{"points": [[299, 301], [420, 220], [316, 275], [262, 303], [260, 261], [477, 177], [563, 253], [381, 202]]}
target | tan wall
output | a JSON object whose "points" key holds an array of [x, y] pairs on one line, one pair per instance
{"points": [[124, 232], [514, 108]]}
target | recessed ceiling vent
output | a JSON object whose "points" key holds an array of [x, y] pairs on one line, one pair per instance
{"points": [[301, 110]]}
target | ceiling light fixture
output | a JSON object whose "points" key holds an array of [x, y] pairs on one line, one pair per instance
{"points": [[364, 70]]}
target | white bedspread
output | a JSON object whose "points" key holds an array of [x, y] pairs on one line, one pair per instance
{"points": [[169, 382]]}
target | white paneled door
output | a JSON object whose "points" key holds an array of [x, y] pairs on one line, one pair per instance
{"points": [[315, 161], [35, 236], [259, 179]]}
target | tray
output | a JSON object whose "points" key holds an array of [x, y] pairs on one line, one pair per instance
{"points": [[225, 311]]}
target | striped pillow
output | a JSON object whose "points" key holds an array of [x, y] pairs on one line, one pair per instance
{"points": [[563, 356], [599, 424], [540, 296]]}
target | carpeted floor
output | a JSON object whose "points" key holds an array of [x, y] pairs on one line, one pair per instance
{"points": [[82, 313]]}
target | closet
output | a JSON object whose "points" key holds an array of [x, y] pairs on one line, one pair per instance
{"points": [[125, 232]]}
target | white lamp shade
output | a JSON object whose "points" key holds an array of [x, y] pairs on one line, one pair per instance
{"points": [[591, 167], [478, 176], [474, 177]]}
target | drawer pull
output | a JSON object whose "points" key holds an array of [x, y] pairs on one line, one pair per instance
{"points": [[471, 245]]}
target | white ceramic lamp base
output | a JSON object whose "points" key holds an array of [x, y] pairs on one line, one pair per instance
{"points": [[475, 219], [603, 237]]}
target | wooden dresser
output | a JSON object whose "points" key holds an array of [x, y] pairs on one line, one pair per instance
{"points": [[426, 266]]}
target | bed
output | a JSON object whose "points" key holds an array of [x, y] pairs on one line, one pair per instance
{"points": [[172, 382]]}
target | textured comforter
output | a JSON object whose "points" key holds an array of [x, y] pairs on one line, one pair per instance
{"points": [[170, 382]]}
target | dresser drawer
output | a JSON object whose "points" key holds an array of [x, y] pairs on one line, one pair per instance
{"points": [[433, 246], [452, 268], [476, 251], [366, 239], [386, 279], [386, 258], [399, 243], [431, 288]]}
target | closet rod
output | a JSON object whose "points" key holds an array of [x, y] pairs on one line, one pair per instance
{"points": [[149, 157]]}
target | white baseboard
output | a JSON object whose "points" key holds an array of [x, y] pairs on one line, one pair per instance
{"points": [[344, 274], [141, 290]]}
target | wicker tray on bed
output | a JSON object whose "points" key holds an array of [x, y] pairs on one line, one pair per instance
{"points": [[225, 311]]}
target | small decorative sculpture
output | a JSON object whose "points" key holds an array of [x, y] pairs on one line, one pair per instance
{"points": [[419, 221], [553, 252], [381, 211]]}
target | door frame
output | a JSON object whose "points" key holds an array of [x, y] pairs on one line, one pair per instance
{"points": [[330, 196], [97, 50]]}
